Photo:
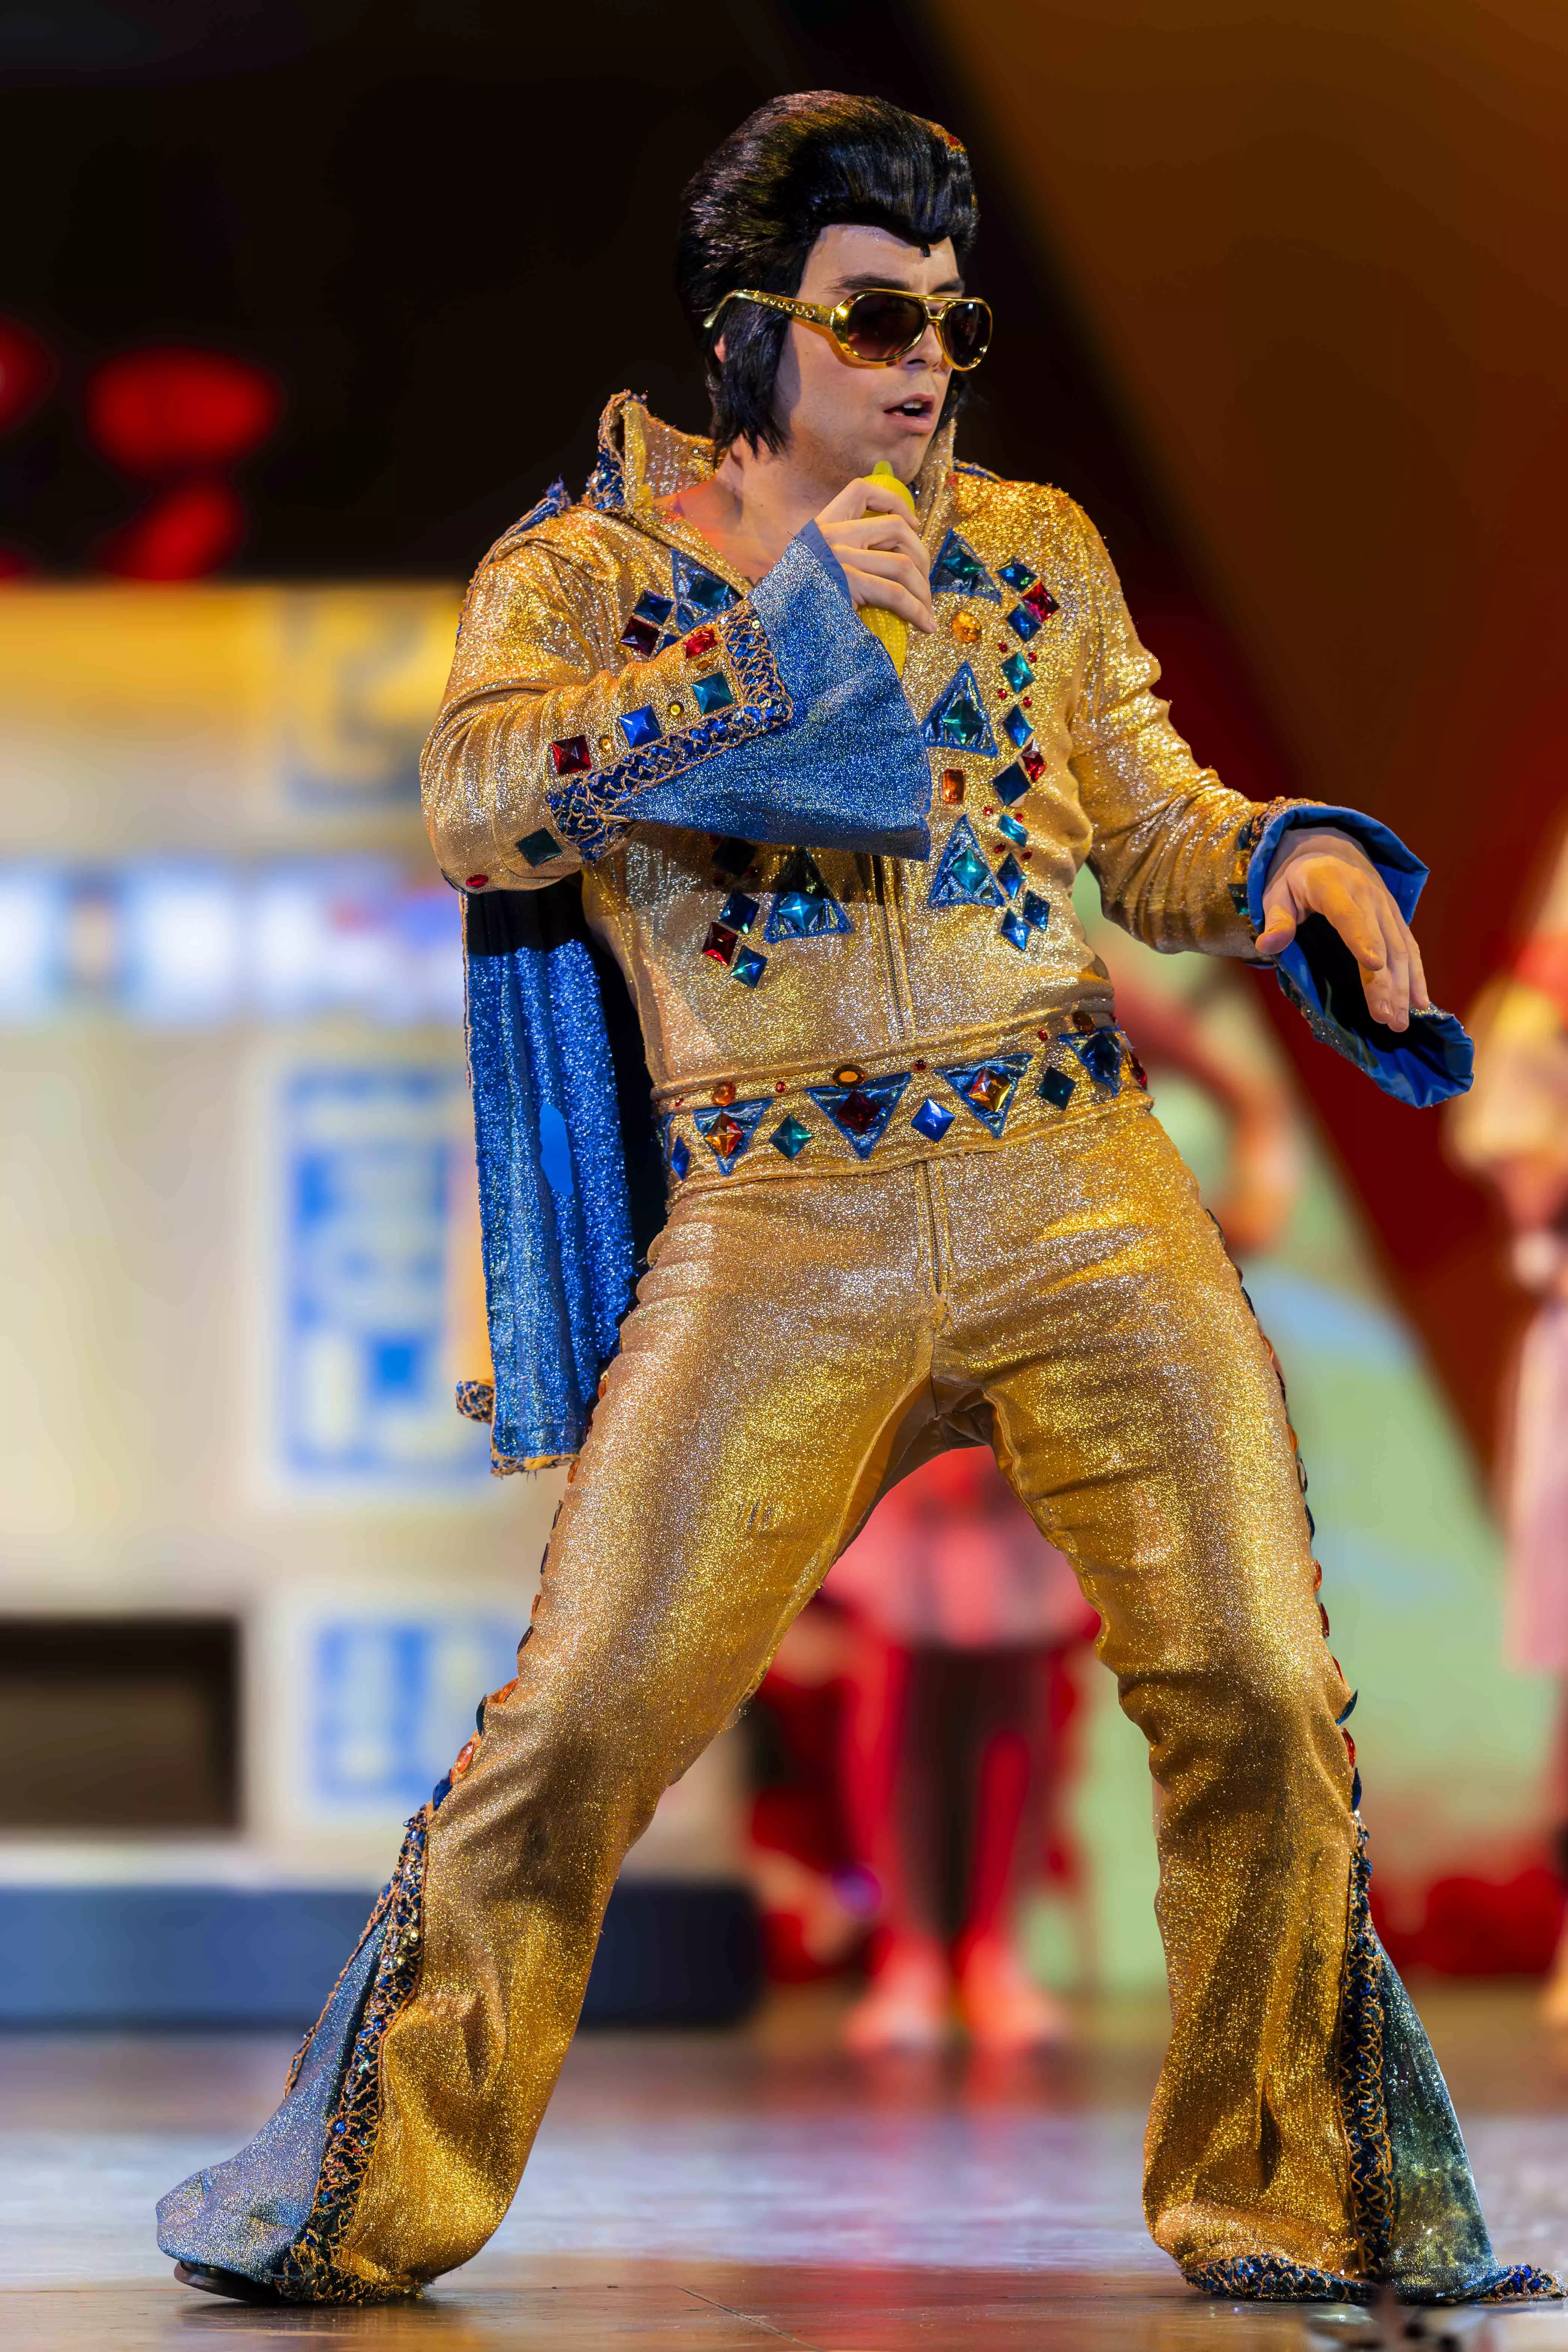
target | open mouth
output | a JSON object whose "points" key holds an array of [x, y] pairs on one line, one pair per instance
{"points": [[920, 406]]}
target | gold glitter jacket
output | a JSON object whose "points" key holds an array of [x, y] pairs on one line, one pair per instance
{"points": [[606, 653]]}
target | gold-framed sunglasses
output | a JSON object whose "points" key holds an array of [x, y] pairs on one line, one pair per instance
{"points": [[882, 324]]}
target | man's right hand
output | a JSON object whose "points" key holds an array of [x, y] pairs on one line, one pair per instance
{"points": [[868, 529]]}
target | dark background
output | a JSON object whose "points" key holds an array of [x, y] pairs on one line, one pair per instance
{"points": [[446, 227]]}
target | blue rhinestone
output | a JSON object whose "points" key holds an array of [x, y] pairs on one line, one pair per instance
{"points": [[791, 1137], [1023, 622], [1056, 1087], [680, 1158], [1015, 724], [714, 693], [748, 966], [539, 847], [930, 1120], [1009, 874], [739, 911], [1015, 832], [1035, 909], [1018, 672], [1017, 574], [651, 606], [640, 727], [1014, 930], [1010, 784]]}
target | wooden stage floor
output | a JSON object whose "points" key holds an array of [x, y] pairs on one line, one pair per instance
{"points": [[738, 2191]]}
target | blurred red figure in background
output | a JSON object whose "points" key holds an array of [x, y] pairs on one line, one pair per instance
{"points": [[1512, 1130]]}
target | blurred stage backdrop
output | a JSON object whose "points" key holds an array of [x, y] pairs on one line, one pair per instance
{"points": [[311, 300]]}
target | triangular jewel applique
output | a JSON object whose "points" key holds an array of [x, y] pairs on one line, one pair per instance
{"points": [[987, 1089], [728, 1131], [699, 593], [958, 569], [962, 878], [956, 720], [861, 1112], [804, 908], [1100, 1051]]}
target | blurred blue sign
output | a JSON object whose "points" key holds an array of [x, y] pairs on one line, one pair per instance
{"points": [[390, 1700], [369, 1160]]}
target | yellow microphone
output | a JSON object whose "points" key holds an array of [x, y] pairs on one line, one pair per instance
{"points": [[892, 627]]}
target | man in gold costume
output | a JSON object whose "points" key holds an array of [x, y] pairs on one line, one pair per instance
{"points": [[911, 1195]]}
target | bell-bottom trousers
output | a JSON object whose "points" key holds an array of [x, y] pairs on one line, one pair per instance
{"points": [[792, 1339]]}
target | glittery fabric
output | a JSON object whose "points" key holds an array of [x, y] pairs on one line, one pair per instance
{"points": [[556, 1222]]}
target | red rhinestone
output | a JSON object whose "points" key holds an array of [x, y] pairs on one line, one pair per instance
{"points": [[1034, 764], [476, 882], [987, 812], [1028, 702], [721, 944], [1001, 645], [571, 755], [857, 1112], [1043, 1033], [1324, 1615], [779, 1087], [917, 1066], [700, 641], [1025, 855], [1040, 601], [1350, 1745]]}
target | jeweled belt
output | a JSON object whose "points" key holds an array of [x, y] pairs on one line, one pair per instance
{"points": [[858, 1113]]}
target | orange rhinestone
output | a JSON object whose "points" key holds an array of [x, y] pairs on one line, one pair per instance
{"points": [[965, 628], [953, 787], [465, 1757], [724, 1092], [847, 1075]]}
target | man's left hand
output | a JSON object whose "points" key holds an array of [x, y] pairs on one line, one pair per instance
{"points": [[1325, 873]]}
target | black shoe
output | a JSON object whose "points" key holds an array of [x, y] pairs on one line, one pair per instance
{"points": [[233, 2283]]}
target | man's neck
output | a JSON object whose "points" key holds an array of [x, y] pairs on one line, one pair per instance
{"points": [[754, 504]]}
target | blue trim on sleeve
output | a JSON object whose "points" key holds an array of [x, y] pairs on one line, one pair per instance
{"points": [[843, 767], [1425, 1064]]}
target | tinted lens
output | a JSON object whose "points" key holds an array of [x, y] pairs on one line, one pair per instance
{"points": [[966, 332], [883, 326]]}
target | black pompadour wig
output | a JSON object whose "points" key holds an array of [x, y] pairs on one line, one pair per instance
{"points": [[752, 212]]}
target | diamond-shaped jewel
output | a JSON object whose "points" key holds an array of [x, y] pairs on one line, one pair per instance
{"points": [[640, 727], [731, 855], [651, 606], [931, 1120], [1017, 574], [1009, 874], [1100, 1053], [700, 641], [1015, 724], [804, 906], [963, 877], [641, 636], [571, 755], [1035, 909], [1010, 784], [1056, 1087], [1024, 622], [710, 694], [1014, 930], [1041, 602], [1018, 671], [861, 1113], [1032, 760], [719, 943], [539, 847], [1009, 827], [857, 1112], [748, 966], [739, 910], [700, 595], [680, 1158], [791, 1136], [956, 719], [988, 1086], [953, 787], [958, 569], [726, 1135]]}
